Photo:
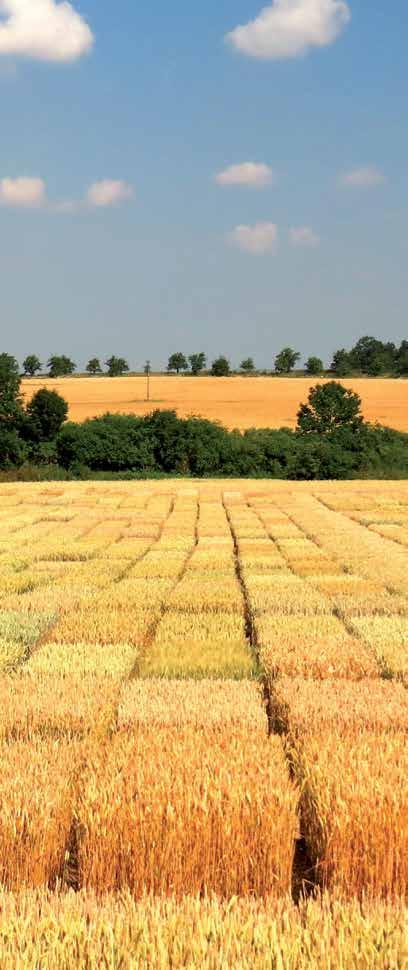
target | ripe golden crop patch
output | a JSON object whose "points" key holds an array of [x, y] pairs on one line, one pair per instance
{"points": [[188, 811], [238, 402], [193, 676]]}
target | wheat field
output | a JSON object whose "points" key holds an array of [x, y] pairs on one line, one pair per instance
{"points": [[237, 402], [204, 723]]}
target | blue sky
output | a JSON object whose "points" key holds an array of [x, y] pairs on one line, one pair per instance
{"points": [[120, 238]]}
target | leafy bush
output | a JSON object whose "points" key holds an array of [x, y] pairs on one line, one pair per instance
{"points": [[113, 442], [46, 414], [13, 450], [163, 444]]}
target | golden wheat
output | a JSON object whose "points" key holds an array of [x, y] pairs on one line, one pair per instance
{"points": [[37, 796], [206, 704], [388, 637], [311, 646], [187, 810], [238, 402], [56, 705], [355, 809]]}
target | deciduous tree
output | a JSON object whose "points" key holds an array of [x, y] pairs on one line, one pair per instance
{"points": [[60, 366], [220, 367], [342, 363], [31, 365], [117, 366], [314, 366], [247, 365], [11, 402], [286, 360], [330, 407], [46, 414], [197, 363], [93, 366], [177, 362]]}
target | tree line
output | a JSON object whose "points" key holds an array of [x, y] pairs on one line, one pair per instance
{"points": [[331, 441], [368, 357], [59, 365]]}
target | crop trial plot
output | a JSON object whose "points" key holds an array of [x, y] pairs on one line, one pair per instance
{"points": [[204, 721]]}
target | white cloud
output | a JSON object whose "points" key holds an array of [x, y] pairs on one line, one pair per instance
{"points": [[109, 192], [304, 236], [46, 30], [365, 178], [289, 28], [23, 192], [254, 174], [259, 238], [30, 193]]}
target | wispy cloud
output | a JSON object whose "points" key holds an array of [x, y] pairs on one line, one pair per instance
{"points": [[23, 192], [259, 238], [289, 28], [304, 236], [109, 192], [46, 30], [365, 178], [253, 174]]}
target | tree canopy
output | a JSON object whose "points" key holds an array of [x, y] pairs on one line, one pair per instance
{"points": [[117, 366], [247, 365], [93, 366], [177, 362], [197, 362], [31, 365], [314, 366], [330, 407], [220, 367], [286, 360], [11, 402], [60, 366]]}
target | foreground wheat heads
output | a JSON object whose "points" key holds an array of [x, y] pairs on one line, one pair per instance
{"points": [[39, 929], [150, 636]]}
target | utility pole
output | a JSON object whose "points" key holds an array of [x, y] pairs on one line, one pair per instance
{"points": [[147, 372]]}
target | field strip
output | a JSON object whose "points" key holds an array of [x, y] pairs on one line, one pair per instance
{"points": [[56, 716], [387, 637], [337, 547], [179, 536], [337, 641], [118, 594], [203, 704], [293, 627], [209, 639], [183, 809], [347, 745], [384, 519], [368, 608], [352, 544], [203, 693]]}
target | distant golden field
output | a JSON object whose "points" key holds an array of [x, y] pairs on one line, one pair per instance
{"points": [[204, 717], [238, 402]]}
